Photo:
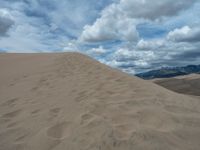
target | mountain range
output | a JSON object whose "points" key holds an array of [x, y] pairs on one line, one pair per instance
{"points": [[168, 72]]}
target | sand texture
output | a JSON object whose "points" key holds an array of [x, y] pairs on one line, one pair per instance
{"points": [[188, 84], [71, 102]]}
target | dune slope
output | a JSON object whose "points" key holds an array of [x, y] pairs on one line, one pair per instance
{"points": [[70, 101], [188, 84]]}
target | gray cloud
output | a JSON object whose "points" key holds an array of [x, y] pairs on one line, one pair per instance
{"points": [[190, 55], [43, 25], [5, 23], [119, 20], [154, 9], [153, 54], [131, 60], [111, 26], [185, 34]]}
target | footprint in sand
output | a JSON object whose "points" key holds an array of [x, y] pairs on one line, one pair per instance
{"points": [[86, 117], [11, 114], [10, 102], [11, 125], [12, 84], [59, 131], [21, 137], [81, 96], [35, 111], [15, 135], [54, 112]]}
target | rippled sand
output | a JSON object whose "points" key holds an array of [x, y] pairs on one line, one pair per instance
{"points": [[69, 101]]}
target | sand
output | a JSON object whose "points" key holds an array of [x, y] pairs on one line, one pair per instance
{"points": [[188, 84], [69, 101]]}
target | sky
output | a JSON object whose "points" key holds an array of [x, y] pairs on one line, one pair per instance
{"points": [[132, 35]]}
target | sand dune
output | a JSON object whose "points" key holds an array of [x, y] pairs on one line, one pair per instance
{"points": [[72, 102], [188, 84]]}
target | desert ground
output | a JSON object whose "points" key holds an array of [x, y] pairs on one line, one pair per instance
{"points": [[68, 101], [188, 84]]}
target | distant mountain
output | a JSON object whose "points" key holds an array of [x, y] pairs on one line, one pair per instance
{"points": [[170, 72]]}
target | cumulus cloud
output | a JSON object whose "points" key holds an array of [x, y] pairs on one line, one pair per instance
{"points": [[97, 51], [6, 22], [124, 54], [150, 44], [71, 47], [153, 54], [43, 25], [185, 34], [113, 25], [131, 60], [119, 20]]}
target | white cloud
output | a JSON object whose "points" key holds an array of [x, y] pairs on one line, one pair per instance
{"points": [[131, 61], [185, 34], [42, 25], [28, 35], [150, 44], [125, 54], [112, 25], [71, 46], [97, 51], [5, 13], [24, 38], [118, 21]]}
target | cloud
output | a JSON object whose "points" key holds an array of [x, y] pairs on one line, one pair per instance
{"points": [[28, 35], [131, 60], [124, 54], [113, 25], [119, 20], [185, 34], [71, 47], [6, 22], [68, 16], [43, 25], [97, 51], [154, 9], [150, 44], [153, 54], [190, 55]]}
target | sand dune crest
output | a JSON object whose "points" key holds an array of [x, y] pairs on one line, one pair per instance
{"points": [[70, 101]]}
